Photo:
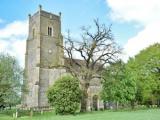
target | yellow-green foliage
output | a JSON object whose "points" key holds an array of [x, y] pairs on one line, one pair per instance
{"points": [[144, 68], [65, 95]]}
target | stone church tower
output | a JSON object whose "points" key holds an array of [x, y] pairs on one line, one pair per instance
{"points": [[44, 61], [42, 57]]}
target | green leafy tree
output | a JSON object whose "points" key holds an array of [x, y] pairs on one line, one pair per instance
{"points": [[10, 80], [65, 95], [117, 86], [144, 68]]}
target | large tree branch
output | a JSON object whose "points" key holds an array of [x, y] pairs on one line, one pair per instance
{"points": [[96, 50]]}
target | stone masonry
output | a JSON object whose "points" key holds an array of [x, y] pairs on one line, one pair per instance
{"points": [[42, 58]]}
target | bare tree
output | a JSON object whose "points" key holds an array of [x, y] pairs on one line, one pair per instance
{"points": [[96, 49]]}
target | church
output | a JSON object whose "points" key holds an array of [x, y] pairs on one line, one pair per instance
{"points": [[42, 58]]}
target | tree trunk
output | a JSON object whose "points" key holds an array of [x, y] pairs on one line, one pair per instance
{"points": [[132, 104], [158, 103], [117, 105], [84, 104], [84, 98], [105, 106]]}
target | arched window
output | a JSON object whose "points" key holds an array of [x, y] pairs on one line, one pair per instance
{"points": [[50, 31]]}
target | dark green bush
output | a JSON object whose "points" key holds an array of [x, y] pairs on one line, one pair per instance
{"points": [[65, 95]]}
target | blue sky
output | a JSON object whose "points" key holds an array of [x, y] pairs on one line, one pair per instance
{"points": [[74, 14], [130, 20]]}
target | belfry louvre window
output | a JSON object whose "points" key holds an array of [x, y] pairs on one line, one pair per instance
{"points": [[50, 31]]}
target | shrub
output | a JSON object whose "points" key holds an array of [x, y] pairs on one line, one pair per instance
{"points": [[65, 95]]}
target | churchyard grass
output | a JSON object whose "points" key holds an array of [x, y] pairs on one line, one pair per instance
{"points": [[147, 114]]}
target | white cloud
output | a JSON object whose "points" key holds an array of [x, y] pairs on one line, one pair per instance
{"points": [[13, 39], [143, 39], [14, 29], [143, 12]]}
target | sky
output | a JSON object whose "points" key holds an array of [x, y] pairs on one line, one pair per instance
{"points": [[135, 23]]}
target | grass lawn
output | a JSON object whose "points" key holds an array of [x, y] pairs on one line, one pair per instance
{"points": [[150, 114]]}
